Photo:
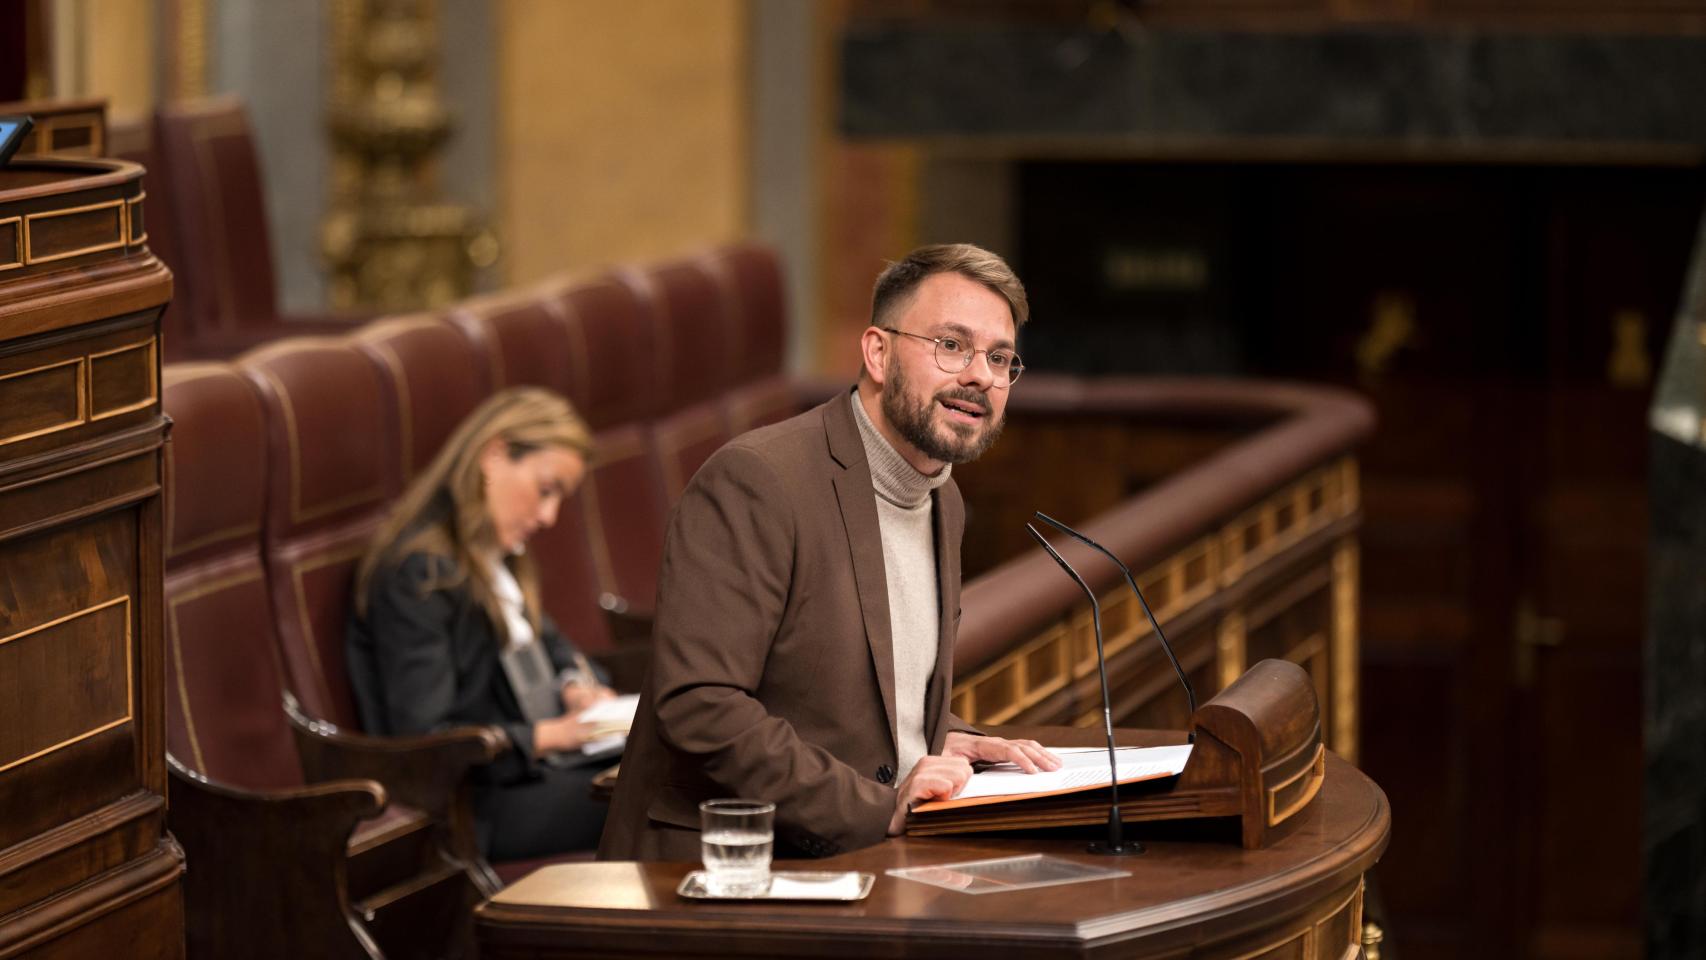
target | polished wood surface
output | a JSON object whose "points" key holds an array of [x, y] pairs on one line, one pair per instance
{"points": [[1198, 895], [1258, 757], [86, 865]]}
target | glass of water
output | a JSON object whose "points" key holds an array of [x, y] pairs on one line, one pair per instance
{"points": [[735, 843]]}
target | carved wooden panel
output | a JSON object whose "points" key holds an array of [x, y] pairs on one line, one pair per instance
{"points": [[1268, 582], [63, 128], [40, 400], [92, 644]]}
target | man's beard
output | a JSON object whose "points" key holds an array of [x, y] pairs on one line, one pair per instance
{"points": [[914, 420]]}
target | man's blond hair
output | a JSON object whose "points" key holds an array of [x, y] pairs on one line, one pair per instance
{"points": [[899, 281]]}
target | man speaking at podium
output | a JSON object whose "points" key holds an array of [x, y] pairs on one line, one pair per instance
{"points": [[810, 588]]}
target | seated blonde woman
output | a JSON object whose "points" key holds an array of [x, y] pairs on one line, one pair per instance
{"points": [[448, 628]]}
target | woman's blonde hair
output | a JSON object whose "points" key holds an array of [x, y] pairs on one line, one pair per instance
{"points": [[443, 512]]}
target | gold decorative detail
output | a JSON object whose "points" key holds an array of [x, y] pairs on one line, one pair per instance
{"points": [[1372, 936], [1315, 770], [1392, 328], [153, 381], [1629, 366], [172, 603], [45, 139], [1343, 660], [595, 528], [1230, 654], [132, 209], [129, 678], [235, 530], [576, 330], [1304, 949], [390, 239], [297, 569], [30, 220], [191, 76], [82, 417], [17, 225], [297, 513], [400, 378], [1216, 561], [1532, 632]]}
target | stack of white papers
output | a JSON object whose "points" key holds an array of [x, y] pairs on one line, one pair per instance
{"points": [[1082, 767]]}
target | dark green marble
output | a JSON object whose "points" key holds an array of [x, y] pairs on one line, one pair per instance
{"points": [[1456, 87]]}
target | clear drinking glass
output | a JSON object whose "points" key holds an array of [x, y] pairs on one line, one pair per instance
{"points": [[735, 843]]}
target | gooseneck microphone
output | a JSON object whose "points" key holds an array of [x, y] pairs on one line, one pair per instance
{"points": [[1190, 695], [1115, 845]]}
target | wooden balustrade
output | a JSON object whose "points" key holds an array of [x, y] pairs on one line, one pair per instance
{"points": [[1246, 548]]}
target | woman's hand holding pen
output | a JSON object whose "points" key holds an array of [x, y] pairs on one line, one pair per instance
{"points": [[580, 694], [560, 734]]}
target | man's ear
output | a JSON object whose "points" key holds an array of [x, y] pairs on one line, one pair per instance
{"points": [[874, 354]]}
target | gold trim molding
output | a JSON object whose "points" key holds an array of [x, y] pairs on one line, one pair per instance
{"points": [[123, 231], [129, 677], [1064, 652]]}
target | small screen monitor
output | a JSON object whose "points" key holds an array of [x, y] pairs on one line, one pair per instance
{"points": [[12, 133]]}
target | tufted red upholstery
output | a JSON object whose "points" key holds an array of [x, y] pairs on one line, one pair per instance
{"points": [[749, 277], [138, 142], [435, 375], [542, 341], [347, 421], [222, 672], [612, 339], [523, 340], [694, 355], [332, 471], [212, 176]]}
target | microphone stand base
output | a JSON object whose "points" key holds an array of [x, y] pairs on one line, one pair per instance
{"points": [[1128, 848]]}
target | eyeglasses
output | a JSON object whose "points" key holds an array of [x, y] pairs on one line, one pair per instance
{"points": [[954, 355]]}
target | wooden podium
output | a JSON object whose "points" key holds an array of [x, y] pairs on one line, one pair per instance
{"points": [[1297, 896], [1258, 757], [86, 866]]}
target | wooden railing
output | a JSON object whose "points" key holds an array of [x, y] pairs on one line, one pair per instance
{"points": [[1245, 548]]}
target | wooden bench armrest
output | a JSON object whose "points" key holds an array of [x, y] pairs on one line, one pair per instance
{"points": [[427, 772], [268, 876]]}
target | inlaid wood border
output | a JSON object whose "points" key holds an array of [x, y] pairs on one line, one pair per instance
{"points": [[82, 389], [153, 381], [129, 677], [119, 241], [1064, 651]]}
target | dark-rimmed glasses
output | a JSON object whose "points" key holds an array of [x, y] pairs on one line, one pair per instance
{"points": [[954, 355]]}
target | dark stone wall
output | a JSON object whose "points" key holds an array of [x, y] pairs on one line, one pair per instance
{"points": [[927, 80]]}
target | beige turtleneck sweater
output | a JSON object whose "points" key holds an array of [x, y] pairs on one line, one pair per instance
{"points": [[904, 515]]}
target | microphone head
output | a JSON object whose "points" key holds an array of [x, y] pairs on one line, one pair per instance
{"points": [[1063, 528]]}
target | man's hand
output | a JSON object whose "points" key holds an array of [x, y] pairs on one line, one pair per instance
{"points": [[933, 778], [1029, 755]]}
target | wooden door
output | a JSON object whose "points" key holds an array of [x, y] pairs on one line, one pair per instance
{"points": [[1507, 323], [1616, 256]]}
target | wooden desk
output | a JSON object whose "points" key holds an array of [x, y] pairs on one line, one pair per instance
{"points": [[1300, 897], [86, 866]]}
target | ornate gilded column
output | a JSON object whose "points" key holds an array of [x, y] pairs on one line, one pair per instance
{"points": [[390, 240]]}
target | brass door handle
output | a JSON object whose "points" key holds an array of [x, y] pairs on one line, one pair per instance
{"points": [[1391, 328], [1533, 632]]}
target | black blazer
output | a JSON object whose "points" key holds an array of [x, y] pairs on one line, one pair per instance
{"points": [[424, 660]]}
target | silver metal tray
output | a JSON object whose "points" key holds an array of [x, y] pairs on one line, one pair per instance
{"points": [[788, 885]]}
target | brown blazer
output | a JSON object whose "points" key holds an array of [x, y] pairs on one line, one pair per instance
{"points": [[772, 671]]}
